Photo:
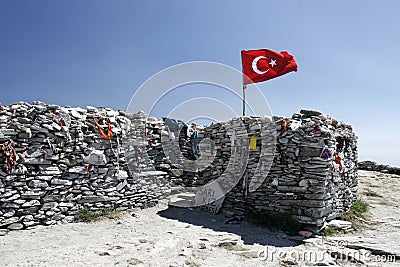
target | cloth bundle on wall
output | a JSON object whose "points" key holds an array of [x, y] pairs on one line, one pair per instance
{"points": [[233, 139], [105, 135], [326, 154], [294, 125], [284, 125], [338, 159], [276, 118], [317, 129], [10, 155], [253, 142], [196, 149], [245, 185], [222, 144], [336, 165], [62, 122], [108, 136], [51, 146]]}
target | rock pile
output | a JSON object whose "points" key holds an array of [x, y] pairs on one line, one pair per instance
{"points": [[56, 160], [314, 173], [373, 166], [311, 174]]}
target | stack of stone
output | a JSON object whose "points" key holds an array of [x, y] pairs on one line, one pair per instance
{"points": [[55, 160], [304, 166], [314, 172], [373, 166], [169, 148]]}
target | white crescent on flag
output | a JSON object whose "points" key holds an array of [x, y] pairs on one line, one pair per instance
{"points": [[254, 65]]}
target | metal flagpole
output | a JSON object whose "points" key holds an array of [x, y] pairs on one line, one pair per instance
{"points": [[244, 100]]}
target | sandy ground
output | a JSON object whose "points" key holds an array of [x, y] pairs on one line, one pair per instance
{"points": [[167, 236]]}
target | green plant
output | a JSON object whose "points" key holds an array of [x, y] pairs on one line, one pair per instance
{"points": [[357, 210], [111, 213], [328, 231], [87, 215], [371, 193]]}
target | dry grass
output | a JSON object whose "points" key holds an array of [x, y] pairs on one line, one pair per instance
{"points": [[134, 261], [147, 241], [384, 203], [357, 210], [370, 193], [192, 263], [87, 215], [248, 254]]}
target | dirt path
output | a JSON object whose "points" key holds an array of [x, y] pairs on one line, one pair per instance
{"points": [[162, 236]]}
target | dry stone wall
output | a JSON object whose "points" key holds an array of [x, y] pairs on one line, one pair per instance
{"points": [[313, 176], [56, 160], [373, 166], [306, 166]]}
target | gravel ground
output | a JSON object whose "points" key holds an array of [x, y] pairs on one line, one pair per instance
{"points": [[168, 236]]}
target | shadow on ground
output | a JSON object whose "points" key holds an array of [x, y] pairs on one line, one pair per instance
{"points": [[249, 232]]}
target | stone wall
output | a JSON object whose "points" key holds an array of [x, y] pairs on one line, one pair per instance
{"points": [[373, 166], [313, 175], [56, 160], [304, 166]]}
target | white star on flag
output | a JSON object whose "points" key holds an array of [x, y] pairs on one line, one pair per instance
{"points": [[272, 63]]}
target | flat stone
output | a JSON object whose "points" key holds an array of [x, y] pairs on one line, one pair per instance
{"points": [[28, 218], [57, 181], [35, 183], [310, 152], [121, 185], [9, 213], [35, 161], [340, 224], [31, 203], [93, 199], [122, 174], [15, 226], [96, 157], [28, 210], [49, 205], [51, 198], [78, 169], [8, 221], [32, 194], [66, 204], [310, 112], [177, 172], [76, 114], [10, 205], [8, 132], [3, 232], [50, 170]]}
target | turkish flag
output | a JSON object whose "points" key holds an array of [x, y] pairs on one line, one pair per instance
{"points": [[265, 64]]}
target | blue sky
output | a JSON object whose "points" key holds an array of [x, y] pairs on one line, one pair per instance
{"points": [[97, 53]]}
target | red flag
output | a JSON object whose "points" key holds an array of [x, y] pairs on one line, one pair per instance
{"points": [[264, 64]]}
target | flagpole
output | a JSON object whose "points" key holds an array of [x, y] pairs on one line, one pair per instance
{"points": [[244, 100]]}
